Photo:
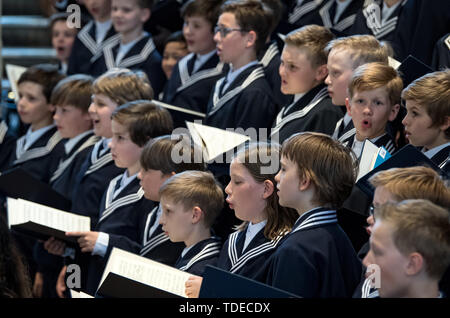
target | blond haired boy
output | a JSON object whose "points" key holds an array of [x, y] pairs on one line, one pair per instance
{"points": [[373, 100], [190, 202], [410, 248]]}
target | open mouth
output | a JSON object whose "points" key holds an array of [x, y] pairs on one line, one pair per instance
{"points": [[366, 124]]}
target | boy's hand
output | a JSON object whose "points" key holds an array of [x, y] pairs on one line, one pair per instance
{"points": [[193, 285], [54, 246], [60, 283], [86, 241]]}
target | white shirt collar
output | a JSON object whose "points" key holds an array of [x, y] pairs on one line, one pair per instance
{"points": [[430, 153], [68, 146], [32, 136], [201, 59], [101, 28], [252, 230], [124, 181], [340, 7], [386, 12], [232, 74]]}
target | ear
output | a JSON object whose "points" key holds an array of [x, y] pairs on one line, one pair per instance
{"points": [[197, 214], [304, 183], [446, 124], [348, 106], [251, 39], [394, 112], [268, 189], [415, 264], [321, 73], [145, 15]]}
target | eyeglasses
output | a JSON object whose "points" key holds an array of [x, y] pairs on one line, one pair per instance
{"points": [[225, 31]]}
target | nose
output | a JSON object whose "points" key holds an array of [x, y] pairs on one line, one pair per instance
{"points": [[405, 120], [91, 108], [217, 37], [327, 80], [277, 177], [228, 189], [281, 70]]}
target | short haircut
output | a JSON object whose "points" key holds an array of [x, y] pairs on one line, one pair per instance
{"points": [[176, 37], [195, 188], [172, 153], [274, 10], [250, 16], [420, 226], [371, 76], [312, 39], [331, 167], [432, 92], [208, 9], [144, 120], [123, 85], [75, 90], [413, 183], [361, 49], [46, 75], [254, 159]]}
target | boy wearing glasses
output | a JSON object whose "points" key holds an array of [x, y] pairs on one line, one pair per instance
{"points": [[398, 184], [243, 97]]}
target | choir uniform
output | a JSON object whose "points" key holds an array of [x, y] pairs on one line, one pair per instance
{"points": [[270, 59], [344, 127], [341, 27], [301, 13], [195, 258], [371, 20], [41, 158], [120, 219], [141, 56], [86, 51], [250, 262], [92, 180], [191, 89], [156, 245], [63, 179], [441, 53], [247, 102], [440, 156], [313, 111], [316, 259]]}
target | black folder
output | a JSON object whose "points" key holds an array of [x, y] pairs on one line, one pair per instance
{"points": [[408, 156], [117, 286], [19, 184], [218, 283], [42, 232], [411, 69]]}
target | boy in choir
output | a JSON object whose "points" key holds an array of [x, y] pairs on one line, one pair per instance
{"points": [[158, 164], [373, 100], [398, 184], [196, 74], [40, 149], [175, 49], [88, 45], [316, 259], [123, 206], [303, 70], [380, 19], [190, 202], [243, 97], [135, 48], [339, 15], [71, 97], [253, 197], [301, 13], [410, 245], [344, 56], [427, 122], [63, 37]]}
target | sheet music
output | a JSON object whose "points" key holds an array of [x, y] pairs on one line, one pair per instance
{"points": [[75, 294], [369, 151], [22, 211], [146, 271]]}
